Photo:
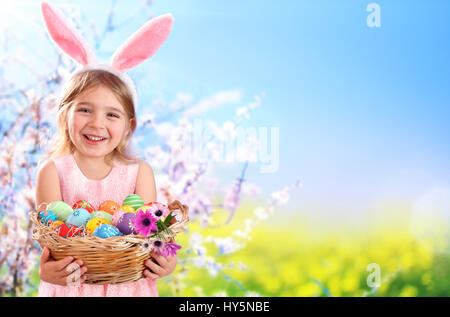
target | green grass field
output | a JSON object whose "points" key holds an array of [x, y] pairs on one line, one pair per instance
{"points": [[289, 259]]}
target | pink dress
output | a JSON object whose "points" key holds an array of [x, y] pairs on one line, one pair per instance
{"points": [[119, 183]]}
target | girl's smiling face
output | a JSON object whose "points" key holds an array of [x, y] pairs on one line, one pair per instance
{"points": [[97, 122]]}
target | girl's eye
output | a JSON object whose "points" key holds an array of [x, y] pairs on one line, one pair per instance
{"points": [[83, 110], [113, 115]]}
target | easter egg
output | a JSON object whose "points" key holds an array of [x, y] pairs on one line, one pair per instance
{"points": [[60, 209], [67, 230], [101, 214], [133, 201], [94, 223], [127, 209], [47, 217], [83, 204], [79, 217], [125, 225], [109, 206], [55, 224], [106, 231], [117, 215]]}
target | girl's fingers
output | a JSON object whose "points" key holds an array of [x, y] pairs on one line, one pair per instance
{"points": [[155, 268], [172, 259], [162, 261], [74, 266], [148, 274], [76, 277], [61, 264], [45, 256]]}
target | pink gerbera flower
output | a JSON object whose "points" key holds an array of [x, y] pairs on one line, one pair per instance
{"points": [[144, 223], [158, 210], [170, 249]]}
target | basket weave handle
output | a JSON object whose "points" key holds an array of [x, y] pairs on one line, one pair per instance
{"points": [[180, 226], [176, 205]]}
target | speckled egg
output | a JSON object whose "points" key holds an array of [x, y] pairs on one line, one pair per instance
{"points": [[67, 230], [94, 223], [117, 215], [106, 231], [47, 217], [79, 217], [109, 206], [125, 225], [83, 204], [101, 214], [133, 201], [60, 209]]}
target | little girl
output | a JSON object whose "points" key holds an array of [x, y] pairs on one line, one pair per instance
{"points": [[90, 159]]}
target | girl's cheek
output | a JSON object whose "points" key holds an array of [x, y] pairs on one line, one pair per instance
{"points": [[74, 123], [119, 128]]}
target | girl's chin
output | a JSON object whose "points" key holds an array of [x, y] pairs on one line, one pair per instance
{"points": [[94, 151]]}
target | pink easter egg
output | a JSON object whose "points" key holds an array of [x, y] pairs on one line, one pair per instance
{"points": [[116, 217]]}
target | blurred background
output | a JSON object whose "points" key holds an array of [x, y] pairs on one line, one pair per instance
{"points": [[346, 101]]}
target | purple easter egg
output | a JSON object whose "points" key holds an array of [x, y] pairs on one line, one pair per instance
{"points": [[125, 225]]}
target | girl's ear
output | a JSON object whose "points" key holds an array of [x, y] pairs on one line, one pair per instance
{"points": [[143, 43], [132, 126], [65, 35]]}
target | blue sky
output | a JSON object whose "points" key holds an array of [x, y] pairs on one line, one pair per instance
{"points": [[363, 112]]}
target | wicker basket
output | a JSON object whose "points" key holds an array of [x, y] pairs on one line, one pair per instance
{"points": [[114, 260]]}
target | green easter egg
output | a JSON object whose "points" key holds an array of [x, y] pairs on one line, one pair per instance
{"points": [[133, 201], [60, 209], [101, 214]]}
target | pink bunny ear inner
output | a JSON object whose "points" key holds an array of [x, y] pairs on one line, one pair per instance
{"points": [[66, 36], [143, 44]]}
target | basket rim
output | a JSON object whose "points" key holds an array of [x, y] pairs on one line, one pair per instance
{"points": [[123, 241]]}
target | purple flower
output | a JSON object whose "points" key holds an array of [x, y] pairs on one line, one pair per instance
{"points": [[144, 223], [170, 249], [158, 247]]}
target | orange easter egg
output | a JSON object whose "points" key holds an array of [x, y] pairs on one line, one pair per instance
{"points": [[55, 224], [109, 206]]}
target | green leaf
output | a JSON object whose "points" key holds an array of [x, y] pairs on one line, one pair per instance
{"points": [[160, 225], [168, 219]]}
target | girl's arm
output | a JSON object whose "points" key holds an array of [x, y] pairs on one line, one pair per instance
{"points": [[145, 183], [51, 271], [47, 185]]}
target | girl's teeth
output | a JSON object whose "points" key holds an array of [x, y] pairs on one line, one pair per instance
{"points": [[94, 138]]}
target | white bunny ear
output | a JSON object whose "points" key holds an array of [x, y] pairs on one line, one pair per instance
{"points": [[143, 43], [65, 35]]}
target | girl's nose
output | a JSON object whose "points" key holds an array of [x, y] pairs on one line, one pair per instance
{"points": [[97, 121]]}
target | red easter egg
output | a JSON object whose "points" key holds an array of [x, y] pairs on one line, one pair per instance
{"points": [[66, 230], [83, 204], [109, 206]]}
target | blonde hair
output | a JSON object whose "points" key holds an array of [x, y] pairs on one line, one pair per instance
{"points": [[80, 82]]}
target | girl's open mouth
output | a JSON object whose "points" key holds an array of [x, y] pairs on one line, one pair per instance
{"points": [[90, 139]]}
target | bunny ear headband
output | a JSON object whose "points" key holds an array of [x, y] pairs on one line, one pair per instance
{"points": [[142, 45]]}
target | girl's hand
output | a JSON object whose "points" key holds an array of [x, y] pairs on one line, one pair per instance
{"points": [[163, 266], [64, 272]]}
